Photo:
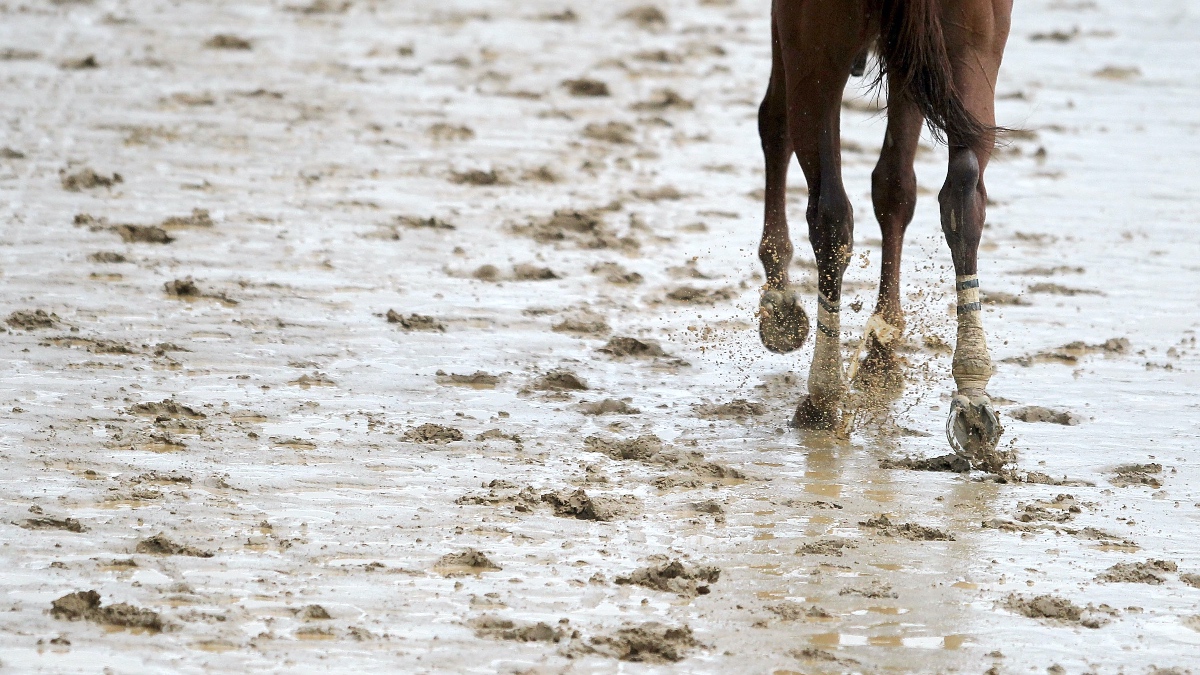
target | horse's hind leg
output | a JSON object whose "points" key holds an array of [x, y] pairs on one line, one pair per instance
{"points": [[894, 196], [819, 44], [973, 427], [783, 325]]}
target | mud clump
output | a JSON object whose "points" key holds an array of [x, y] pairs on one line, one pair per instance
{"points": [[477, 177], [1137, 474], [615, 274], [617, 133], [86, 179], [643, 448], [227, 41], [791, 611], [470, 559], [182, 288], [579, 505], [166, 408], [1070, 353], [874, 591], [1148, 572], [585, 229], [951, 463], [146, 234], [1191, 579], [608, 406], [649, 642], [700, 296], [478, 379], [559, 380], [430, 223], [1037, 413], [646, 16], [825, 547], [159, 544], [415, 321], [503, 493], [885, 527], [586, 87], [622, 347], [433, 433], [450, 132], [32, 319], [108, 257], [582, 325], [198, 218], [673, 576], [527, 272], [85, 605], [664, 99], [1056, 609], [814, 654], [649, 449], [495, 628], [45, 523], [738, 408]]}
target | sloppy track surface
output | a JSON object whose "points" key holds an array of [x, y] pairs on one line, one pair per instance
{"points": [[384, 336]]}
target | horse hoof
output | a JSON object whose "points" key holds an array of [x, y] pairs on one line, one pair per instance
{"points": [[813, 418], [782, 323], [973, 430]]}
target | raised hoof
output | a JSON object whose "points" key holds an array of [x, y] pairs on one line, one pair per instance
{"points": [[809, 416], [881, 371], [782, 323], [974, 431]]}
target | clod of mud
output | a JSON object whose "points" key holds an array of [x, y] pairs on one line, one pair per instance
{"points": [[608, 406], [826, 547], [951, 463], [32, 319], [477, 177], [314, 613], [159, 544], [673, 576], [477, 380], [1071, 352], [45, 523], [495, 628], [1147, 572], [874, 590], [450, 132], [433, 433], [198, 218], [615, 274], [503, 493], [700, 296], [415, 321], [791, 611], [88, 62], [146, 234], [1039, 478], [486, 273], [739, 408], [585, 229], [491, 434], [1059, 289], [527, 272], [166, 408], [85, 605], [227, 41], [470, 560], [579, 505], [1002, 298], [650, 450], [820, 655], [317, 379], [621, 347], [182, 288], [883, 526], [1037, 413], [430, 223], [586, 87], [1058, 609], [618, 133], [650, 642], [1137, 474], [86, 179], [664, 99], [646, 16], [107, 257], [559, 380], [1191, 579], [1059, 510], [583, 324]]}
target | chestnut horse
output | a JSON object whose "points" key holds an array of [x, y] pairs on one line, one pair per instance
{"points": [[940, 60]]}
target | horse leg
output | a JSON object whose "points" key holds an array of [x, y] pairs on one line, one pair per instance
{"points": [[819, 46], [782, 323], [894, 196], [973, 428]]}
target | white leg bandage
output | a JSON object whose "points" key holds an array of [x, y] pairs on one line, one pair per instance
{"points": [[972, 366], [825, 382]]}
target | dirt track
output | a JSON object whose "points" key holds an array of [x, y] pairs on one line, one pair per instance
{"points": [[381, 338]]}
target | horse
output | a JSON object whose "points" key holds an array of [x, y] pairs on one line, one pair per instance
{"points": [[939, 60]]}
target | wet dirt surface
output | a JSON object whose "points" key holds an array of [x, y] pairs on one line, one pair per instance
{"points": [[370, 336]]}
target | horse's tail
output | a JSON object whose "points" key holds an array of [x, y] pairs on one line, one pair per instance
{"points": [[912, 51]]}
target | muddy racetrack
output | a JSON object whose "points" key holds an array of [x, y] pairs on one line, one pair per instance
{"points": [[368, 336]]}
